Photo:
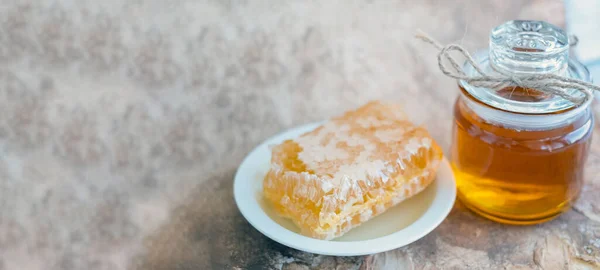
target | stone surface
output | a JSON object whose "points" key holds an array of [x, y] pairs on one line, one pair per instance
{"points": [[123, 122]]}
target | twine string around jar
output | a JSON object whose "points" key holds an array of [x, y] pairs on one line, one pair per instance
{"points": [[548, 83]]}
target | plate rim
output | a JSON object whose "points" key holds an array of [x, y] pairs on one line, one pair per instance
{"points": [[257, 218]]}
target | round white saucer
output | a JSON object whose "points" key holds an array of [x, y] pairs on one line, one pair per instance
{"points": [[397, 227]]}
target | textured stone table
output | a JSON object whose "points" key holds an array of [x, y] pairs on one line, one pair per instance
{"points": [[123, 122]]}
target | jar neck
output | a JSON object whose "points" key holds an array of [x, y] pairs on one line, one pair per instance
{"points": [[526, 48], [520, 121]]}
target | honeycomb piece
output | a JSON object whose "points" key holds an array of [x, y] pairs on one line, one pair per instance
{"points": [[350, 170]]}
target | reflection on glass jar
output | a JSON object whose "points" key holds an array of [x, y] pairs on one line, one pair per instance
{"points": [[519, 154]]}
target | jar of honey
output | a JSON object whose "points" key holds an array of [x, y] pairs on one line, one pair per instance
{"points": [[519, 154]]}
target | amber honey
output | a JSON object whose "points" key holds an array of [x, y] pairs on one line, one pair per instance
{"points": [[517, 175]]}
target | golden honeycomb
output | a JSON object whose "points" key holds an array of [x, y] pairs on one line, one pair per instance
{"points": [[350, 169]]}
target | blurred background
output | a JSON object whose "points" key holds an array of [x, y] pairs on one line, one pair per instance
{"points": [[122, 122], [583, 19]]}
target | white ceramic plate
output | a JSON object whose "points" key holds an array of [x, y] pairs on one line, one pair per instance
{"points": [[397, 227]]}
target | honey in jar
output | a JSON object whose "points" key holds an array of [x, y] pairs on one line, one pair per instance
{"points": [[519, 154]]}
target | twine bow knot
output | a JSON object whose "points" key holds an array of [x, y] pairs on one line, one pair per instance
{"points": [[547, 83]]}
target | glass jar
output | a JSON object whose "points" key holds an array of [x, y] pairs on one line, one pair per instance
{"points": [[519, 154]]}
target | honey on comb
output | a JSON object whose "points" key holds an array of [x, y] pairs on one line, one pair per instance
{"points": [[350, 169]]}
